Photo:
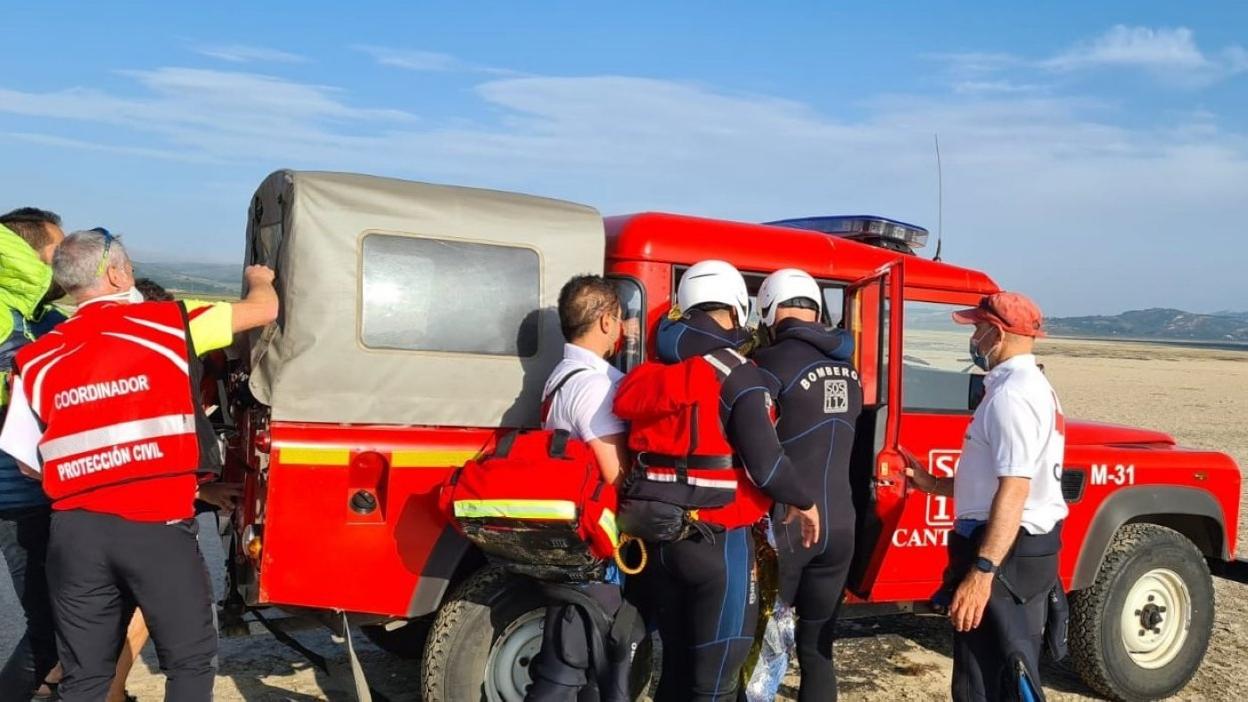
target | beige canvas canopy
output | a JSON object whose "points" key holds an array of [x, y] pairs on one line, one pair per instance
{"points": [[409, 303]]}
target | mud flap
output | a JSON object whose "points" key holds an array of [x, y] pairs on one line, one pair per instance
{"points": [[362, 691]]}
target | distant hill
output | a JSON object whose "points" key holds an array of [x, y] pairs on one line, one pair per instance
{"points": [[1156, 324], [216, 279]]}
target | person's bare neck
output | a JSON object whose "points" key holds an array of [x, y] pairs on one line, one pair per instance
{"points": [[593, 343], [723, 318], [1013, 346], [798, 313]]}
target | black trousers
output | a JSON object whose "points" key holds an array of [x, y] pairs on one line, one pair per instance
{"points": [[1000, 660], [24, 543], [565, 669], [703, 593], [99, 567], [813, 581]]}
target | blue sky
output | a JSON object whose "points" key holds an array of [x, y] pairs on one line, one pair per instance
{"points": [[1095, 154]]}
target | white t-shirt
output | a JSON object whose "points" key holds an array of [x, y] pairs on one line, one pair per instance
{"points": [[1018, 432], [583, 406], [21, 434]]}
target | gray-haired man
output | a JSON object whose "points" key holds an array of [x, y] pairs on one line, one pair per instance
{"points": [[113, 434]]}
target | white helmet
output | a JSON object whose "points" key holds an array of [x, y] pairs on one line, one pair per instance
{"points": [[714, 281], [784, 285]]}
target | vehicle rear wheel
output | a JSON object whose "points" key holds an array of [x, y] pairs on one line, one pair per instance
{"points": [[407, 641], [485, 638], [1141, 631]]}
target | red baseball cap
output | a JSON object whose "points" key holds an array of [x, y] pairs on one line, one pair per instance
{"points": [[1010, 311]]}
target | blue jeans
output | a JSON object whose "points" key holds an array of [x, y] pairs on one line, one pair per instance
{"points": [[24, 543]]}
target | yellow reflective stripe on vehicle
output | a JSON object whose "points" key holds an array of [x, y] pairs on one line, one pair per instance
{"points": [[314, 455], [607, 523], [431, 459], [516, 509], [337, 456]]}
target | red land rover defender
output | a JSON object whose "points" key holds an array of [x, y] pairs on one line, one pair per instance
{"points": [[418, 324]]}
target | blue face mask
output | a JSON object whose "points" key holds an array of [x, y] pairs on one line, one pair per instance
{"points": [[978, 357]]}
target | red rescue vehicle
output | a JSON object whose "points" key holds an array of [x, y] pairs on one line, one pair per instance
{"points": [[418, 326]]}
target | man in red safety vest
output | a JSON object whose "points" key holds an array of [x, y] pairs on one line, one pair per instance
{"points": [[707, 467], [104, 412]]}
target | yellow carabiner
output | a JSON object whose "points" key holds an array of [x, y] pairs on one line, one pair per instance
{"points": [[619, 556]]}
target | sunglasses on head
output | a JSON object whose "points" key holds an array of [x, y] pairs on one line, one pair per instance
{"points": [[108, 245]]}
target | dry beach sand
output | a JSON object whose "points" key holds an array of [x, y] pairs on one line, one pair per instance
{"points": [[1199, 395]]}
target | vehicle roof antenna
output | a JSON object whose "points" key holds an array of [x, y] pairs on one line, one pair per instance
{"points": [[940, 201]]}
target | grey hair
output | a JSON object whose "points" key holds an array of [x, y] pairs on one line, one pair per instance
{"points": [[76, 263]]}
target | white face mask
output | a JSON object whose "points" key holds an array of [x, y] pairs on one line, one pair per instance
{"points": [[132, 296]]}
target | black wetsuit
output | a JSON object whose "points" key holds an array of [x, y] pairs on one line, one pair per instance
{"points": [[819, 399], [701, 590]]}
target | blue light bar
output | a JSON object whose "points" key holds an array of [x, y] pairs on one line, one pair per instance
{"points": [[868, 227]]}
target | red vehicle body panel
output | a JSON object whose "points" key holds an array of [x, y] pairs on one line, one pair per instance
{"points": [[317, 552]]}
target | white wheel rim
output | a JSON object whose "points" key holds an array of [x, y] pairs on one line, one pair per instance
{"points": [[1156, 617], [508, 670]]}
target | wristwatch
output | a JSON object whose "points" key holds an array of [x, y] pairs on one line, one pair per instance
{"points": [[984, 565]]}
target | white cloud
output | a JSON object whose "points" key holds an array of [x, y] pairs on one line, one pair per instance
{"points": [[1040, 175], [1167, 51], [238, 53], [975, 87], [412, 60], [426, 61]]}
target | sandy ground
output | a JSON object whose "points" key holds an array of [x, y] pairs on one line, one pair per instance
{"points": [[1200, 396]]}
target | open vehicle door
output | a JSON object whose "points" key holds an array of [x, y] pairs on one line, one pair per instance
{"points": [[920, 391], [873, 314]]}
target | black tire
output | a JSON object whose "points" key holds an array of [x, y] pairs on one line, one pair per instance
{"points": [[407, 641], [1098, 651], [467, 627], [471, 622]]}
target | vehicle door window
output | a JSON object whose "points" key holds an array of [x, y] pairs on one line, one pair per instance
{"points": [[425, 294], [833, 302], [633, 305], [937, 373]]}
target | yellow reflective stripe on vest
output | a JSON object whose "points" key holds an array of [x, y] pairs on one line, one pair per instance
{"points": [[607, 523], [516, 509]]}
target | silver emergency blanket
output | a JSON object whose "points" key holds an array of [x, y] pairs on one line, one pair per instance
{"points": [[408, 303]]}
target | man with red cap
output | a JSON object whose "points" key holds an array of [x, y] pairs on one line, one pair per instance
{"points": [[1007, 494]]}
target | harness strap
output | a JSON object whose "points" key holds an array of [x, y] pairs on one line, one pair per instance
{"points": [[660, 460], [549, 399]]}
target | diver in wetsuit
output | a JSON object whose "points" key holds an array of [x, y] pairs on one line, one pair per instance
{"points": [[819, 399]]}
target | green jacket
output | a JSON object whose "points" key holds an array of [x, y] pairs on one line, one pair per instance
{"points": [[24, 279]]}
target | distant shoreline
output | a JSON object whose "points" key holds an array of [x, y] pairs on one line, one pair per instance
{"points": [[1189, 343]]}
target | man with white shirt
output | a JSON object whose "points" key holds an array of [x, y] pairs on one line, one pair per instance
{"points": [[1007, 492], [578, 399]]}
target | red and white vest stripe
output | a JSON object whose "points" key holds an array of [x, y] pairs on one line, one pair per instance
{"points": [[112, 389]]}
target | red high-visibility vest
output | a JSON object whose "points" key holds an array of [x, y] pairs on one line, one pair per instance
{"points": [[682, 455], [112, 388]]}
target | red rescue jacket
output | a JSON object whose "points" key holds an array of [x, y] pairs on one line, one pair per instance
{"points": [[112, 388], [682, 455]]}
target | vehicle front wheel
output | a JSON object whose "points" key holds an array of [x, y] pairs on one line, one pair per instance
{"points": [[1141, 630]]}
